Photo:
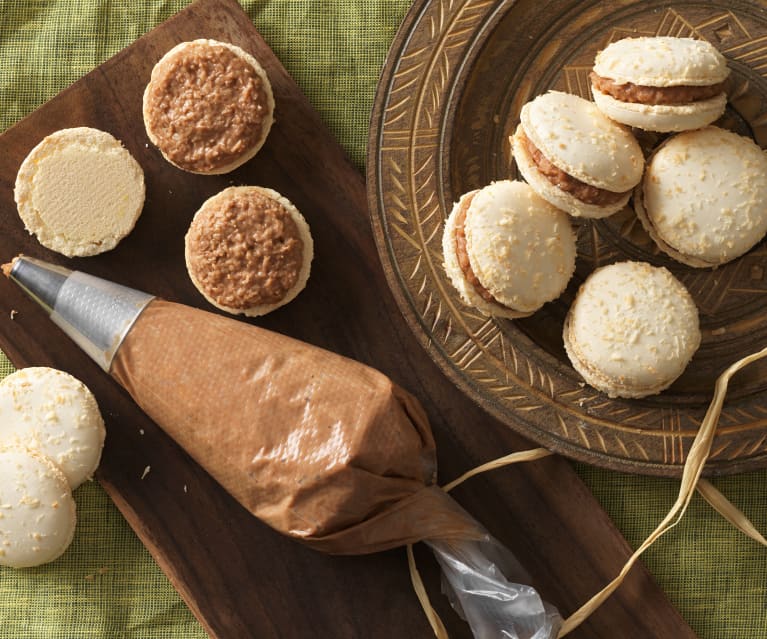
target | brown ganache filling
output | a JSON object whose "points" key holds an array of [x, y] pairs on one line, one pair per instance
{"points": [[245, 251], [636, 93], [206, 106], [463, 256], [580, 190]]}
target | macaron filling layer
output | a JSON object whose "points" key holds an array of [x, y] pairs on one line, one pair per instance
{"points": [[245, 249], [564, 181], [207, 106], [653, 95], [461, 252]]}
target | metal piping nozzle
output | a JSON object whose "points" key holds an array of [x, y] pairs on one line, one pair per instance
{"points": [[96, 313]]}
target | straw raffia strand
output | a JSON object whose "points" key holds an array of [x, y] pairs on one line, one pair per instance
{"points": [[691, 480], [729, 511], [696, 459], [420, 590]]}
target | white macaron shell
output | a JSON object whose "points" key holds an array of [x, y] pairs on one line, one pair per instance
{"points": [[635, 325], [520, 247], [37, 512], [705, 194], [50, 411], [552, 193], [663, 118], [662, 62], [466, 290], [578, 138]]}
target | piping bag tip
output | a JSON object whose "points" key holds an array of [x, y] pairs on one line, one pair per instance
{"points": [[95, 313], [7, 268]]}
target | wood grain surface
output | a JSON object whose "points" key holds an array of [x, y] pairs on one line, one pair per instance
{"points": [[240, 578], [450, 97]]}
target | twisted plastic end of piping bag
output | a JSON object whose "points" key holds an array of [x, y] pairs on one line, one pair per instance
{"points": [[485, 584]]}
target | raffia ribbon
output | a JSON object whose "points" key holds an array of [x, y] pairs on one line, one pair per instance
{"points": [[691, 480]]}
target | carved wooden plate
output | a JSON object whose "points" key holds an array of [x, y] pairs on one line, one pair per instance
{"points": [[457, 75]]}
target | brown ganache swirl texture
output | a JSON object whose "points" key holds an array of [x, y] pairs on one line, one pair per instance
{"points": [[206, 106], [245, 250]]}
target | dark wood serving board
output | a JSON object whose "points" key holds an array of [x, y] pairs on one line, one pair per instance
{"points": [[240, 578]]}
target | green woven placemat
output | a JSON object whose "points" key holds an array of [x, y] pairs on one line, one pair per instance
{"points": [[107, 586]]}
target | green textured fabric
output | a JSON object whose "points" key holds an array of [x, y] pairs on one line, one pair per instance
{"points": [[107, 586]]}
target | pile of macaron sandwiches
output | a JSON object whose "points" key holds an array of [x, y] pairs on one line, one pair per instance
{"points": [[701, 195]]}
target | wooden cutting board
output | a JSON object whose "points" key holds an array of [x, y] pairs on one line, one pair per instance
{"points": [[240, 578]]}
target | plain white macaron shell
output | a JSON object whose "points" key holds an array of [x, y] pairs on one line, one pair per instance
{"points": [[704, 196], [50, 411], [37, 512], [662, 61], [579, 139], [520, 247], [632, 329], [79, 191]]}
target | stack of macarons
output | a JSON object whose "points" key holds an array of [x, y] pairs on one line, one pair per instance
{"points": [[701, 195], [51, 437]]}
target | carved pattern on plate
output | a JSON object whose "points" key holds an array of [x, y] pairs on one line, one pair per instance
{"points": [[501, 363]]}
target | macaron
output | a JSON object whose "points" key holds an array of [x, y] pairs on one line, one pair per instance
{"points": [[703, 199], [631, 330], [507, 251], [661, 83], [51, 412], [248, 250], [79, 191], [37, 512], [208, 106], [575, 157]]}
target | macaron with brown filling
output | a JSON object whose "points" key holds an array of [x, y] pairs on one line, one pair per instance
{"points": [[507, 251], [631, 330], [249, 250], [703, 199], [575, 157], [208, 106], [661, 83]]}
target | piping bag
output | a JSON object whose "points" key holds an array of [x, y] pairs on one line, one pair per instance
{"points": [[321, 448]]}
